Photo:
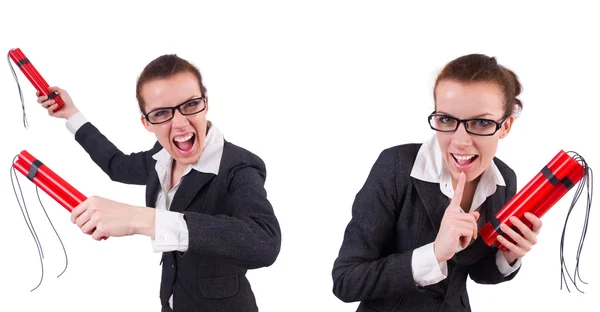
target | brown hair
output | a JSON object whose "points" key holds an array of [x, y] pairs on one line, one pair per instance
{"points": [[482, 68], [162, 67]]}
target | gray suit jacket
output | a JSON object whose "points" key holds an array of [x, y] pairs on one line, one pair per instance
{"points": [[392, 215], [232, 226]]}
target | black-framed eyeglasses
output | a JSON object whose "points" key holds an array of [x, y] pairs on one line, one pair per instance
{"points": [[476, 126], [164, 114]]}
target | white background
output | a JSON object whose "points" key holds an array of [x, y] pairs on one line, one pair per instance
{"points": [[315, 88]]}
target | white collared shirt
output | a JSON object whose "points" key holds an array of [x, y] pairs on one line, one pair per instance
{"points": [[429, 166], [171, 231]]}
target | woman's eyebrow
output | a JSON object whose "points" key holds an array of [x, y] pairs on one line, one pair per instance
{"points": [[474, 117]]}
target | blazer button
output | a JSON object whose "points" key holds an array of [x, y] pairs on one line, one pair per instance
{"points": [[438, 297]]}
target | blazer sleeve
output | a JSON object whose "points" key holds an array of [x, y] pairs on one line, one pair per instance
{"points": [[250, 237], [131, 169], [364, 270], [486, 270]]}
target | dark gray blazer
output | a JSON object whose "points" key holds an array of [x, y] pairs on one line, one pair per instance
{"points": [[232, 226], [392, 215]]}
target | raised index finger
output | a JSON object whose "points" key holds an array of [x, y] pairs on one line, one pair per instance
{"points": [[458, 192]]}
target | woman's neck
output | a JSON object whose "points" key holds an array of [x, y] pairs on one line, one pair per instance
{"points": [[177, 170]]}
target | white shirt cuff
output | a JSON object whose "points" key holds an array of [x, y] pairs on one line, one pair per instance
{"points": [[75, 122], [171, 232], [503, 265], [425, 267]]}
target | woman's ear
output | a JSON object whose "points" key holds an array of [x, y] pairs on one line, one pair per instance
{"points": [[146, 124], [506, 126]]}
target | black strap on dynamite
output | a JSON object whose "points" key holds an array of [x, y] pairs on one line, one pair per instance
{"points": [[496, 224], [554, 180], [22, 62], [35, 166]]}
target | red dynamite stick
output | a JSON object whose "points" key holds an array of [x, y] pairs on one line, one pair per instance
{"points": [[24, 64], [33, 75], [566, 167], [52, 184], [27, 68], [537, 197], [30, 68], [43, 184], [73, 196]]}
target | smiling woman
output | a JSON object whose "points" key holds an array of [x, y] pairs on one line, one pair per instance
{"points": [[477, 88], [206, 207], [412, 240]]}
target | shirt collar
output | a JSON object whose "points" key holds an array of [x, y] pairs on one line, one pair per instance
{"points": [[429, 166], [210, 158]]}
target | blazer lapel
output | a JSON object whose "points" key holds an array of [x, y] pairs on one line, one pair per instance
{"points": [[191, 184], [498, 200], [152, 189], [433, 200]]}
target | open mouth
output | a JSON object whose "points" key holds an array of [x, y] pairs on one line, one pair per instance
{"points": [[184, 143], [464, 160]]}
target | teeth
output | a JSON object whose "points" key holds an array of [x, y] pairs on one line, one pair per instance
{"points": [[183, 138], [463, 157]]}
